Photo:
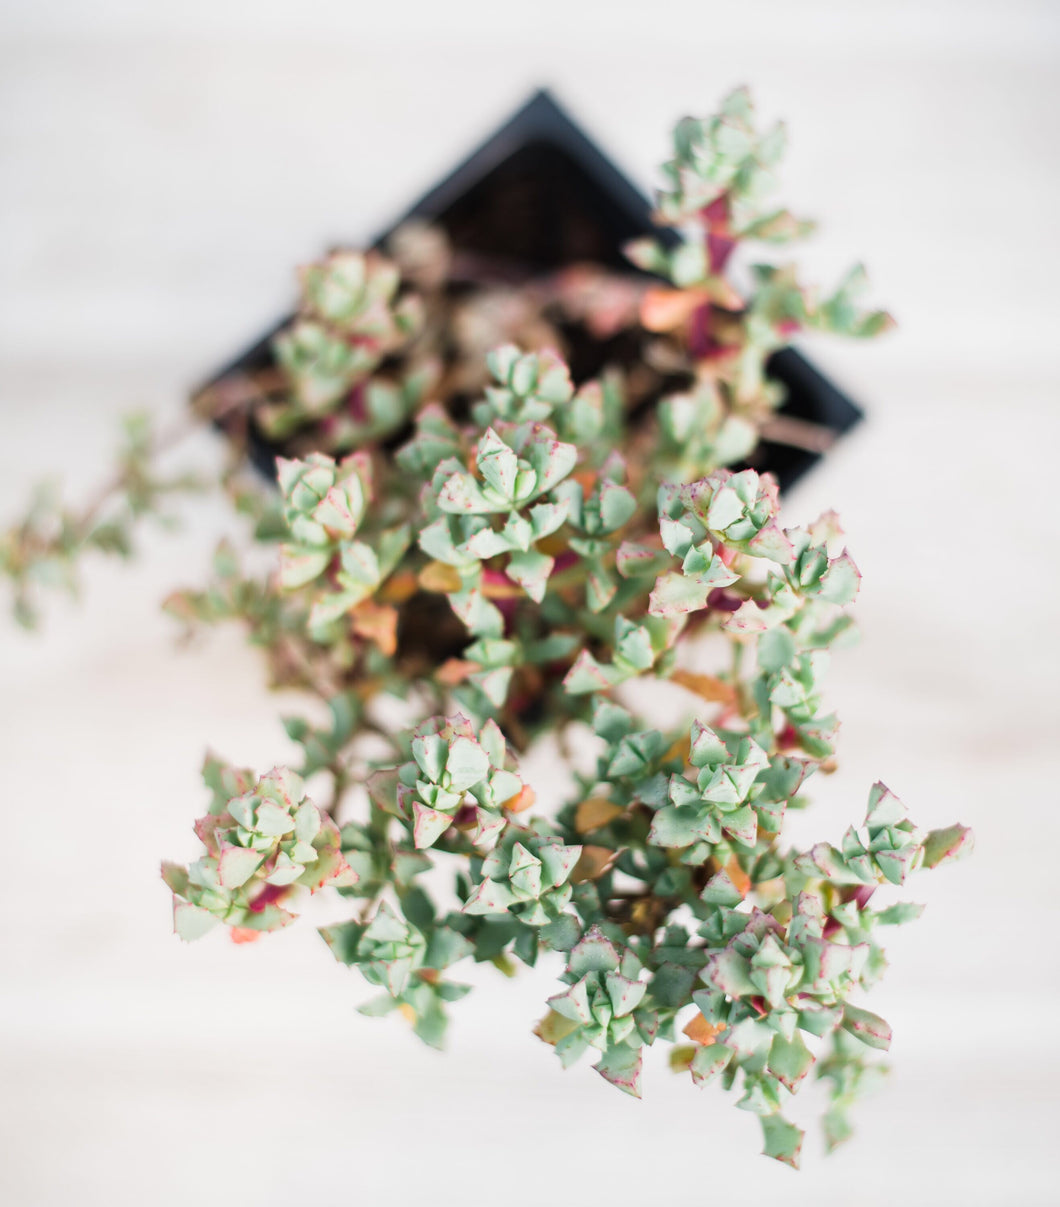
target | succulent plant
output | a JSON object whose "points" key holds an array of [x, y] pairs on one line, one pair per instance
{"points": [[259, 845], [456, 777], [350, 319], [603, 1008], [527, 874], [499, 554]]}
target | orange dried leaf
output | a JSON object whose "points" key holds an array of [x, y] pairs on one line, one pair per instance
{"points": [[377, 623], [522, 800], [553, 545], [586, 479], [437, 576], [454, 671], [707, 687], [595, 812], [680, 749], [664, 310], [699, 1031], [244, 934], [740, 879], [399, 587], [592, 863], [500, 587]]}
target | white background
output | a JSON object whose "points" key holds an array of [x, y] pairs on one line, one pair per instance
{"points": [[163, 169]]}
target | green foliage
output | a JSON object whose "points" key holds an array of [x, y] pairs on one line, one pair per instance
{"points": [[456, 777], [325, 506], [41, 552], [571, 577], [476, 552], [350, 318], [259, 846], [604, 1008], [530, 386], [526, 874]]}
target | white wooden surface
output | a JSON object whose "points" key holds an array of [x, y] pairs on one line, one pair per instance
{"points": [[163, 168]]}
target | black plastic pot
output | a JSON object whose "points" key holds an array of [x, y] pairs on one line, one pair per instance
{"points": [[539, 191]]}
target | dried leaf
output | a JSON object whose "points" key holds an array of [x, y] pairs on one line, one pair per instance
{"points": [[699, 1031], [708, 687], [594, 813], [593, 863]]}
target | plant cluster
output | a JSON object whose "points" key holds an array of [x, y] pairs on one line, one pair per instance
{"points": [[43, 550], [479, 548]]}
